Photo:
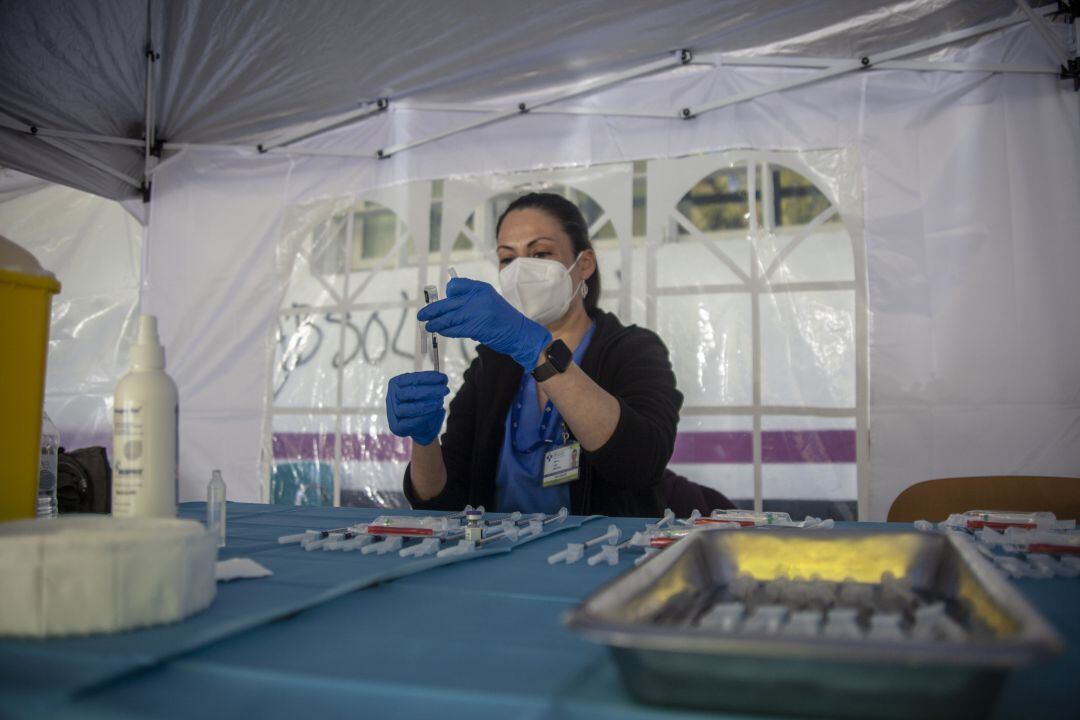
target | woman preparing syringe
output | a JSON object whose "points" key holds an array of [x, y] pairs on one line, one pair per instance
{"points": [[563, 406]]}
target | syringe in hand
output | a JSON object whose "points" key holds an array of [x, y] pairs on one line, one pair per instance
{"points": [[431, 294]]}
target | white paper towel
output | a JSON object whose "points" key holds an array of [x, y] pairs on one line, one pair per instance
{"points": [[83, 574], [240, 569]]}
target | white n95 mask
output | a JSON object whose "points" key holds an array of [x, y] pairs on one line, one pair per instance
{"points": [[539, 289]]}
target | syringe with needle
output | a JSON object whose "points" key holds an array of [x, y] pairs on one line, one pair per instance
{"points": [[431, 294]]}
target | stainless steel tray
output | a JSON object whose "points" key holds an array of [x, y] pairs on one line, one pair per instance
{"points": [[647, 617]]}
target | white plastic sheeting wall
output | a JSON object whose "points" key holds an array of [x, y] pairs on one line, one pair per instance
{"points": [[94, 247], [968, 221]]}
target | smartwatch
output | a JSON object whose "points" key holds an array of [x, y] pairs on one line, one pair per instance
{"points": [[558, 359]]}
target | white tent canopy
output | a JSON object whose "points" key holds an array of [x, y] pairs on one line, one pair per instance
{"points": [[83, 82], [941, 131]]}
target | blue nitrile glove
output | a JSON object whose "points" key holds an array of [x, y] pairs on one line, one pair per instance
{"points": [[474, 309], [414, 405]]}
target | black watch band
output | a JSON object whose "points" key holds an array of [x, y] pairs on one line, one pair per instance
{"points": [[559, 358]]}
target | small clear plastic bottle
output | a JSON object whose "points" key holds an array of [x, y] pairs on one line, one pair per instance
{"points": [[215, 506], [50, 448]]}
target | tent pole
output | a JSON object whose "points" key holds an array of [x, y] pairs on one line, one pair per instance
{"points": [[840, 69], [607, 112], [942, 66], [830, 67], [1040, 25], [846, 66], [93, 162], [682, 57], [13, 124], [927, 65], [149, 150], [316, 152], [366, 110]]}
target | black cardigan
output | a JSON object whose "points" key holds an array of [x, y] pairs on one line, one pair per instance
{"points": [[622, 478]]}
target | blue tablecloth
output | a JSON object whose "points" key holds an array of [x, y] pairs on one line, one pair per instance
{"points": [[469, 639], [35, 675]]}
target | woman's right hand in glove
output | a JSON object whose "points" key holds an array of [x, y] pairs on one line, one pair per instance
{"points": [[414, 405]]}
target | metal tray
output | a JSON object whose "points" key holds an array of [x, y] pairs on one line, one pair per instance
{"points": [[646, 616]]}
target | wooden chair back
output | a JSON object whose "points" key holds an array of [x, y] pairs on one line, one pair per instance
{"points": [[934, 499]]}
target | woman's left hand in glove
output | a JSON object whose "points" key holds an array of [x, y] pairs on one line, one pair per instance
{"points": [[475, 310]]}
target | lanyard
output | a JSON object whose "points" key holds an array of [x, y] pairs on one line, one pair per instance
{"points": [[547, 431]]}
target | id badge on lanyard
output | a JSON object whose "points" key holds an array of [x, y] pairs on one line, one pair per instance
{"points": [[561, 464]]}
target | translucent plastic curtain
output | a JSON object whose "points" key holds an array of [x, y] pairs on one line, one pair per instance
{"points": [[755, 293], [94, 247]]}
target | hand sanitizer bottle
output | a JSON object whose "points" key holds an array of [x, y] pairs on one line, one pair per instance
{"points": [[145, 426], [215, 506]]}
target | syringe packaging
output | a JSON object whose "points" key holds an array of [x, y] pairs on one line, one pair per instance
{"points": [[1032, 541], [747, 518], [667, 536], [1001, 519], [411, 526]]}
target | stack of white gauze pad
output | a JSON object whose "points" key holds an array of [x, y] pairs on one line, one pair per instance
{"points": [[75, 575]]}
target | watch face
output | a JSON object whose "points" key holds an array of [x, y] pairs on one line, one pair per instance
{"points": [[559, 355]]}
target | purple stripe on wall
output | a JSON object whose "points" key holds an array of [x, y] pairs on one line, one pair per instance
{"points": [[714, 447], [383, 447], [777, 446], [808, 446], [692, 448], [303, 446]]}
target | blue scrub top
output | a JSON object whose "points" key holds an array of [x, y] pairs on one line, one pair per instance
{"points": [[518, 482]]}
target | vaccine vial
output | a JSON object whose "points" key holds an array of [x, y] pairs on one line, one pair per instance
{"points": [[473, 529]]}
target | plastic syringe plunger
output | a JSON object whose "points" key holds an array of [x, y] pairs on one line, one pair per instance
{"points": [[644, 557], [695, 515], [427, 546], [390, 544], [608, 554], [297, 538], [510, 530], [309, 535], [315, 543], [361, 540], [511, 518], [572, 553], [611, 536], [463, 547]]}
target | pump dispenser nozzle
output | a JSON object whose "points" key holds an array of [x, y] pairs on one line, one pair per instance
{"points": [[147, 352]]}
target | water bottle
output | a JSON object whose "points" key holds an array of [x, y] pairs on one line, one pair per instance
{"points": [[50, 447]]}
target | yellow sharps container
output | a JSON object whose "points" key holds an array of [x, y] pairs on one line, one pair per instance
{"points": [[26, 292]]}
